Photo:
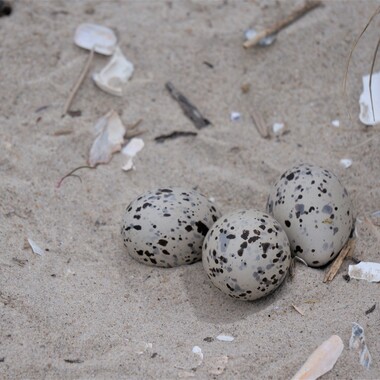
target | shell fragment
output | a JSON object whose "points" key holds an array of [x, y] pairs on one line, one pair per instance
{"points": [[357, 342], [322, 360], [365, 271], [92, 36], [110, 138], [130, 150], [369, 115], [35, 248], [115, 74]]}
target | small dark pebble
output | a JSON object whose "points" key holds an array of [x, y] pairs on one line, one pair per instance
{"points": [[53, 275], [73, 361], [154, 355], [208, 339], [346, 277], [370, 310], [2, 359], [355, 260]]}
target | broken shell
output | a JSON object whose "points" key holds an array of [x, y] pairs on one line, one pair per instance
{"points": [[92, 36], [130, 150], [365, 271], [249, 34], [110, 137], [322, 360], [369, 115], [114, 74]]}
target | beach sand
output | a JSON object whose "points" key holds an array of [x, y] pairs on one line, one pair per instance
{"points": [[85, 309]]}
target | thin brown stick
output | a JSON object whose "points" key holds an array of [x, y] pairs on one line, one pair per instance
{"points": [[135, 125], [275, 28], [350, 57], [334, 268], [78, 82], [133, 133], [71, 174]]}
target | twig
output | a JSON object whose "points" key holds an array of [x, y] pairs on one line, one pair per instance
{"points": [[174, 135], [188, 108], [275, 28], [135, 125], [258, 122], [132, 134], [71, 174], [370, 310], [298, 310], [79, 82], [333, 270]]}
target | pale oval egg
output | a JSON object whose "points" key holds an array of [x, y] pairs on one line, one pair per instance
{"points": [[166, 227], [315, 211], [246, 254]]}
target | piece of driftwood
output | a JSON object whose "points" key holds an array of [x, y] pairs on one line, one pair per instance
{"points": [[188, 108], [174, 135], [258, 122], [335, 266], [275, 28]]}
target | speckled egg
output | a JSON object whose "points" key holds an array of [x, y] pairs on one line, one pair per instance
{"points": [[315, 211], [166, 227], [246, 254]]}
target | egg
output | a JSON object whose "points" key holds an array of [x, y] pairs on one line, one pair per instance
{"points": [[315, 211], [166, 227], [246, 254]]}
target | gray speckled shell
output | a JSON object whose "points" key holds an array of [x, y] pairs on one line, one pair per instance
{"points": [[166, 227], [246, 254], [315, 211]]}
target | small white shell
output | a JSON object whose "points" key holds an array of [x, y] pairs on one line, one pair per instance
{"points": [[116, 73], [92, 36]]}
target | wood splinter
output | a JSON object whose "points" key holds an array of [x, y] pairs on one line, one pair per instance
{"points": [[334, 268], [188, 108], [275, 28]]}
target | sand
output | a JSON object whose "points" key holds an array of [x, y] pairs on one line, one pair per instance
{"points": [[85, 309]]}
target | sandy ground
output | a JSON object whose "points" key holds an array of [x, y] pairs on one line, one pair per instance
{"points": [[85, 309]]}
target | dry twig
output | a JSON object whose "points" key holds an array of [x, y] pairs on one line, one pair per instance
{"points": [[188, 108], [334, 268], [71, 174], [275, 28], [258, 122], [79, 82]]}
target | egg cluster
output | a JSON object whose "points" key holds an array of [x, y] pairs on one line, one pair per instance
{"points": [[246, 253]]}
